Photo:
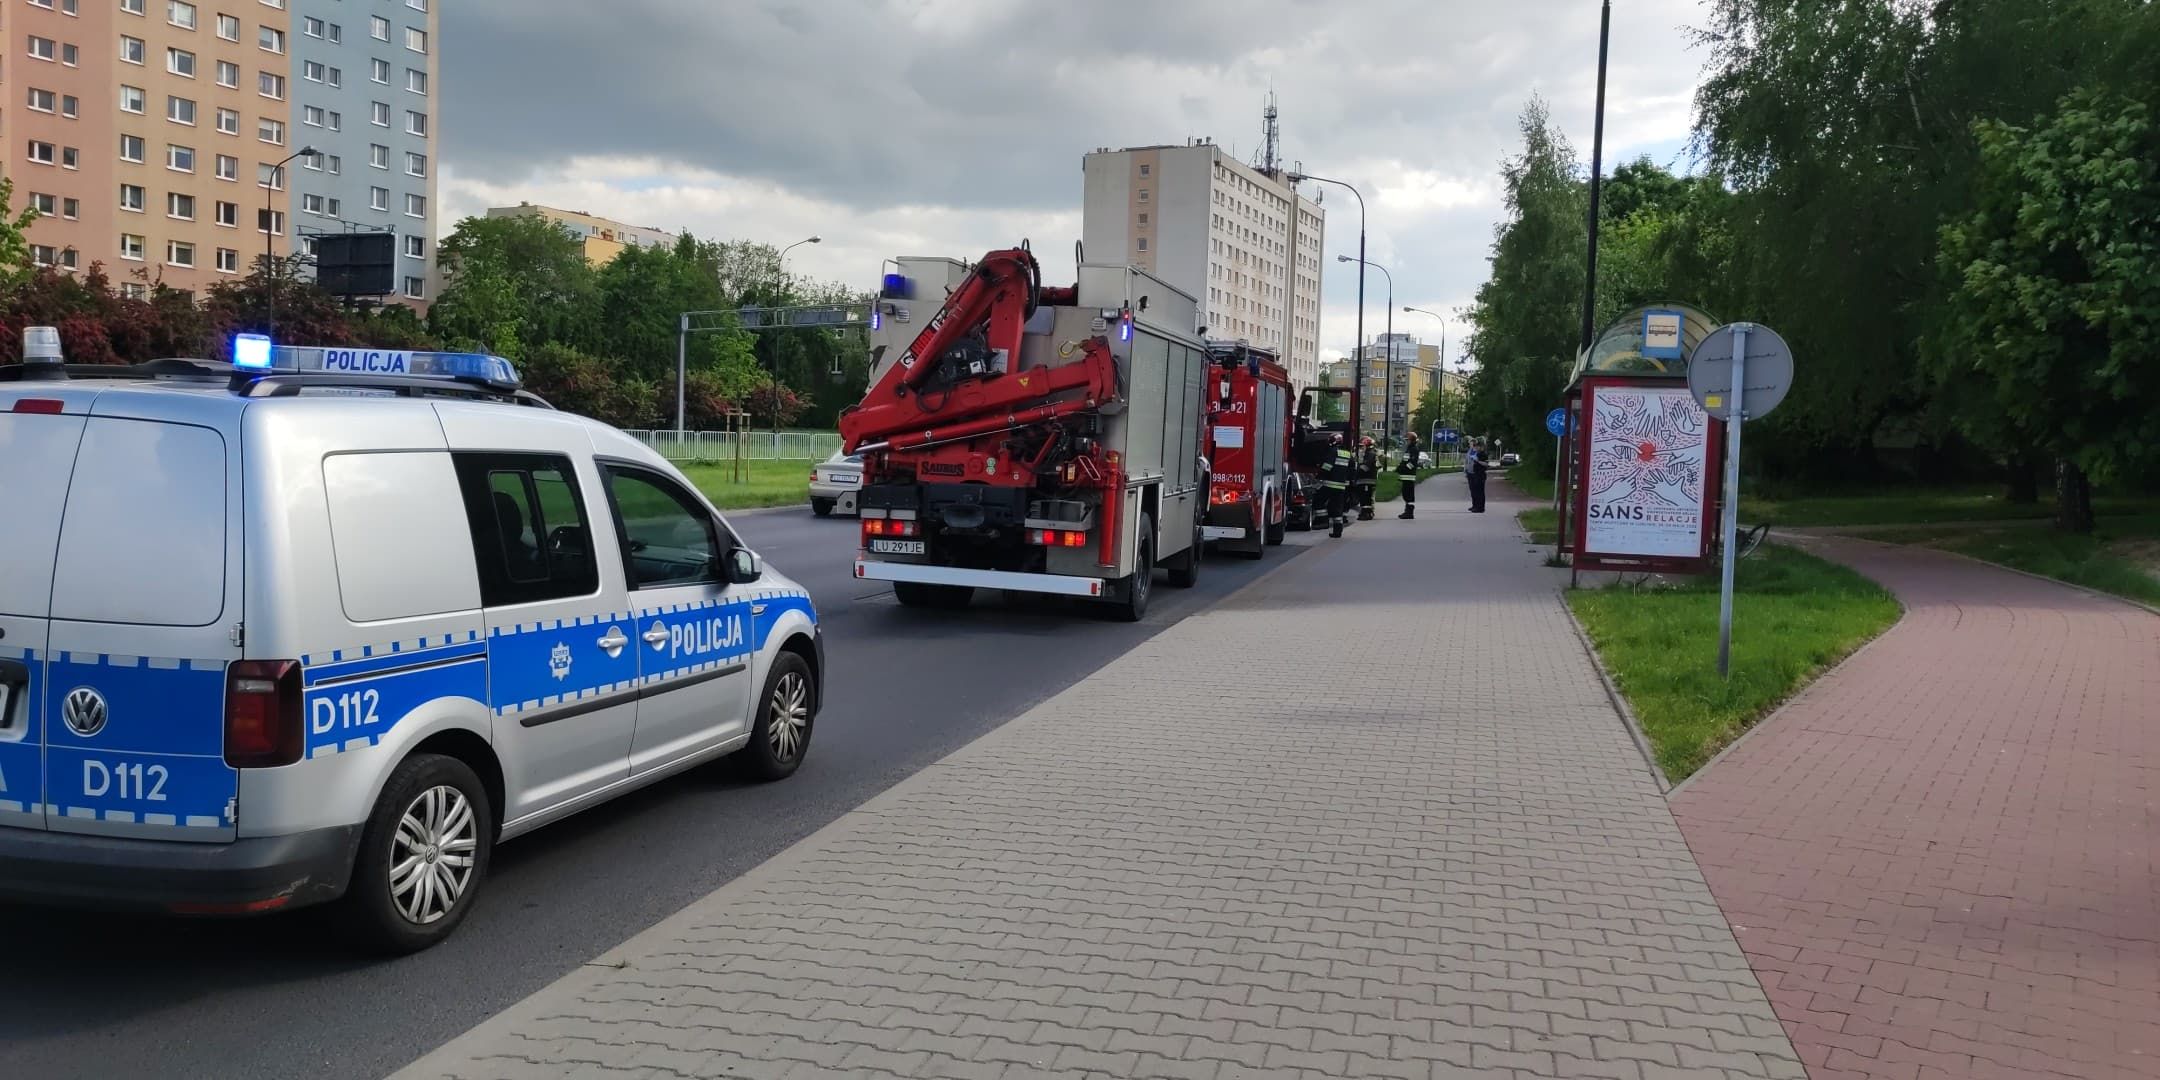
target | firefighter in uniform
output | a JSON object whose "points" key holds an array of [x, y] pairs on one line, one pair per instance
{"points": [[1336, 479], [1406, 471], [1368, 476]]}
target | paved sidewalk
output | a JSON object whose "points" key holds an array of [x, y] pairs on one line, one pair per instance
{"points": [[1944, 858], [1372, 817]]}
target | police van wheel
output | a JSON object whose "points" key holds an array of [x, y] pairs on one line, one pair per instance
{"points": [[423, 856], [785, 715]]}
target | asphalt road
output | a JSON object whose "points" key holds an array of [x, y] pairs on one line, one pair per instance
{"points": [[100, 996]]}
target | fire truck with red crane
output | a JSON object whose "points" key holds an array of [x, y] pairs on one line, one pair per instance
{"points": [[1029, 438], [1249, 485]]}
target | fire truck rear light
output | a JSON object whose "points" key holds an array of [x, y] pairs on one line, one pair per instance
{"points": [[1075, 539]]}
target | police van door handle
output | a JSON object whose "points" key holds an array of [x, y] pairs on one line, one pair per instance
{"points": [[614, 642], [656, 635]]}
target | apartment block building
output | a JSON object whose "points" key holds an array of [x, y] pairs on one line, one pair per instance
{"points": [[1244, 241], [150, 134], [1396, 373], [603, 238]]}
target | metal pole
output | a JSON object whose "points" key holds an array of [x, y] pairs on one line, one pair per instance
{"points": [[1387, 426], [270, 246], [1597, 179], [682, 365], [1732, 496]]}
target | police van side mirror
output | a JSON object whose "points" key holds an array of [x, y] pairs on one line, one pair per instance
{"points": [[743, 566]]}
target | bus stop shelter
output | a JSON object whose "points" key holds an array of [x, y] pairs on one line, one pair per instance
{"points": [[1641, 462]]}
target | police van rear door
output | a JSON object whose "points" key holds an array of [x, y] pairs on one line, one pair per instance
{"points": [[40, 426], [145, 611]]}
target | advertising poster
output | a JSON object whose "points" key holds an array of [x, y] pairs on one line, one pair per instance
{"points": [[1648, 464]]}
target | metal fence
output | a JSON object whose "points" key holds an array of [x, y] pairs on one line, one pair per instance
{"points": [[696, 446]]}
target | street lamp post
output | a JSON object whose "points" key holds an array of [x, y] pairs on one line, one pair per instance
{"points": [[1440, 370], [1356, 384], [775, 388], [1387, 362], [682, 348], [277, 175]]}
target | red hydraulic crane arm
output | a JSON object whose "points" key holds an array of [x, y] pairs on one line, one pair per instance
{"points": [[995, 299], [1017, 401]]}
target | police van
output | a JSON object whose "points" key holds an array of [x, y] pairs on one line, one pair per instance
{"points": [[328, 624]]}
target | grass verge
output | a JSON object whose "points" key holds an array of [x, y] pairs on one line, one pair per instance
{"points": [[1389, 487], [1793, 616], [1535, 484], [2122, 556], [767, 483], [1543, 524]]}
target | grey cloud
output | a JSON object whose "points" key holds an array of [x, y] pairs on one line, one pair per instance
{"points": [[988, 105]]}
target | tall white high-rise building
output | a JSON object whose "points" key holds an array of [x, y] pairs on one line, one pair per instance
{"points": [[1243, 240]]}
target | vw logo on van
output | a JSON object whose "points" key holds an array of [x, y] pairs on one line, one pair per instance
{"points": [[84, 711]]}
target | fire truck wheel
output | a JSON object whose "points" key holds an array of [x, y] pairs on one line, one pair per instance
{"points": [[1132, 607], [915, 594], [1185, 572], [821, 507], [1275, 530]]}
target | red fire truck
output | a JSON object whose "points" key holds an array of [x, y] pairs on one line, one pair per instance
{"points": [[1248, 429]]}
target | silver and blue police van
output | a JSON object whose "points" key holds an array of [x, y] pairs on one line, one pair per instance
{"points": [[321, 625]]}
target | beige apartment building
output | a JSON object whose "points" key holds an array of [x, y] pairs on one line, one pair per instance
{"points": [[603, 238], [1398, 371], [150, 133], [1245, 242]]}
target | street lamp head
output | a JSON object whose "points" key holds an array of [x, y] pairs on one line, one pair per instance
{"points": [[1344, 258], [815, 240]]}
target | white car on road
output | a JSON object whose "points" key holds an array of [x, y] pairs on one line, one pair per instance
{"points": [[835, 483]]}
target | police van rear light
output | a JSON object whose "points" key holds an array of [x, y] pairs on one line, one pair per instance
{"points": [[42, 406], [262, 714]]}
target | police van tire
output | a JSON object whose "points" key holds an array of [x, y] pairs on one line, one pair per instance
{"points": [[787, 712], [426, 790], [821, 507]]}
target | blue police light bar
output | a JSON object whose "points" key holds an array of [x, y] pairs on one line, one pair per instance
{"points": [[493, 370], [251, 352]]}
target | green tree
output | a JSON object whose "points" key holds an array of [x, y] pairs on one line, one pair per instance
{"points": [[1526, 320], [15, 265], [513, 284], [2053, 280]]}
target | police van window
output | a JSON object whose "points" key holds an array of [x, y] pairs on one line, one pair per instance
{"points": [[529, 532], [668, 539], [397, 522], [143, 539], [36, 454]]}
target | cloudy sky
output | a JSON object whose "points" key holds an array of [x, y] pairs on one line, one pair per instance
{"points": [[949, 127]]}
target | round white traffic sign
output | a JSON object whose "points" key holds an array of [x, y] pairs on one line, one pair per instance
{"points": [[1768, 376]]}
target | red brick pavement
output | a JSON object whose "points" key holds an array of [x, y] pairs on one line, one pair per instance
{"points": [[1943, 860]]}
